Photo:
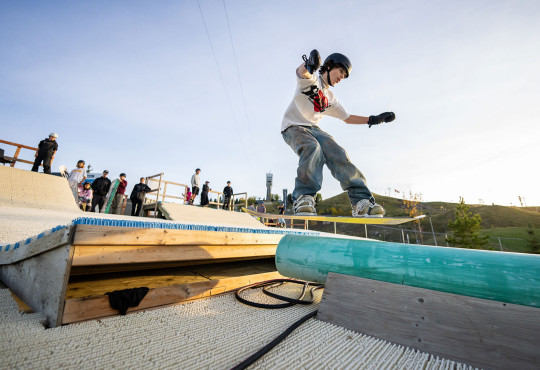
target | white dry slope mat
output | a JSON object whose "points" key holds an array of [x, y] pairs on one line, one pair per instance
{"points": [[215, 333]]}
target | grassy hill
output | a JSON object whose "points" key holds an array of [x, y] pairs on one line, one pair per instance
{"points": [[510, 224]]}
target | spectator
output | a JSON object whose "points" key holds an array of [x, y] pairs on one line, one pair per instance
{"points": [[45, 153], [281, 211], [261, 208], [195, 185], [204, 194], [76, 178], [187, 198], [137, 197], [101, 187], [119, 196], [252, 208], [227, 196], [85, 197]]}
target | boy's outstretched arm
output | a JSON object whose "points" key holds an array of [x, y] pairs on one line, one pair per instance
{"points": [[371, 120]]}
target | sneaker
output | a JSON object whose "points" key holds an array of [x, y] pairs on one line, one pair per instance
{"points": [[367, 208], [305, 206]]}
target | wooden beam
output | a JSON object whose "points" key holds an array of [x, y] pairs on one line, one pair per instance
{"points": [[113, 235], [476, 331], [180, 286], [126, 254], [41, 281]]}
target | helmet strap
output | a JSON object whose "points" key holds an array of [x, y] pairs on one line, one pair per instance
{"points": [[328, 76]]}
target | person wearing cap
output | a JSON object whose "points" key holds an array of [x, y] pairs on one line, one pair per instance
{"points": [[195, 184], [119, 196], [76, 178], [204, 194], [100, 188], [227, 196], [45, 153]]}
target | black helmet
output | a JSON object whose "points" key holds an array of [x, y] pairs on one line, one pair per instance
{"points": [[80, 161], [340, 60]]}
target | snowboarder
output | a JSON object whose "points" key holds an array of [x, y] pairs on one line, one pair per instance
{"points": [[45, 153], [312, 100]]}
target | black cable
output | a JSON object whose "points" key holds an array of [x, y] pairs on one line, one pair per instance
{"points": [[274, 283], [260, 353], [265, 285]]}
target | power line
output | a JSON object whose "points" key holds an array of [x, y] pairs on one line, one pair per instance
{"points": [[242, 95], [223, 83]]}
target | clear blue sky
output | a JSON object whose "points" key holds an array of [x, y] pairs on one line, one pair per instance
{"points": [[132, 86]]}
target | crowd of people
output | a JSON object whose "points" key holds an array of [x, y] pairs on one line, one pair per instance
{"points": [[92, 195]]}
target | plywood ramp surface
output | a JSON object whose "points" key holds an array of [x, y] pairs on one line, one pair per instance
{"points": [[20, 188], [207, 216]]}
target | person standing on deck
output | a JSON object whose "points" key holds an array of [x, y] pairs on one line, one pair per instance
{"points": [[227, 196], [76, 178], [204, 194], [100, 187], [137, 196], [45, 153], [195, 184], [119, 196]]}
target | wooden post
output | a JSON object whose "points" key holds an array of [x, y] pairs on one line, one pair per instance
{"points": [[365, 228], [500, 244], [164, 192], [433, 232], [335, 228], [15, 156]]}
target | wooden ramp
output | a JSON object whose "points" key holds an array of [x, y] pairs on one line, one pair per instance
{"points": [[67, 273]]}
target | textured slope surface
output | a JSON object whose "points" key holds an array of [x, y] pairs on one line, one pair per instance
{"points": [[215, 333]]}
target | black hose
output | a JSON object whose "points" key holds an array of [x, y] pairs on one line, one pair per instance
{"points": [[260, 353], [265, 285]]}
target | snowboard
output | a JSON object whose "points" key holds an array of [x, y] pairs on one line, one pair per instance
{"points": [[339, 219]]}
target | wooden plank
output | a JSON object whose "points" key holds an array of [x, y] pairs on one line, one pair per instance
{"points": [[127, 254], [347, 220], [476, 331], [165, 290], [113, 235], [41, 281], [36, 247]]}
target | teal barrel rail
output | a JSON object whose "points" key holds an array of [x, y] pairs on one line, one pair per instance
{"points": [[501, 276]]}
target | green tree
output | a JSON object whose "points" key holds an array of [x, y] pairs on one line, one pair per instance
{"points": [[466, 228], [532, 241], [274, 197], [252, 200], [318, 198]]}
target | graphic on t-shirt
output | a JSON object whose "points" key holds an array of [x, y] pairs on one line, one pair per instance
{"points": [[316, 96]]}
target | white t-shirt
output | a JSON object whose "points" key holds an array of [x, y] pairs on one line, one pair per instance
{"points": [[312, 100], [77, 175], [195, 180]]}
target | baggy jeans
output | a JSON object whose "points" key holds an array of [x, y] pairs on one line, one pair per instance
{"points": [[315, 149]]}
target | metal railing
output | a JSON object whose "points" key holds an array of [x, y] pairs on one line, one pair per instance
{"points": [[15, 158], [160, 193]]}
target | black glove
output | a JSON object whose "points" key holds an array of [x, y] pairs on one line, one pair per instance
{"points": [[383, 117], [314, 61]]}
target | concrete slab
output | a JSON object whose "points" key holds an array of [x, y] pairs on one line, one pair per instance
{"points": [[26, 189]]}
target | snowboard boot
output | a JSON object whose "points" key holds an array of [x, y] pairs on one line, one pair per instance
{"points": [[367, 208], [305, 206]]}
